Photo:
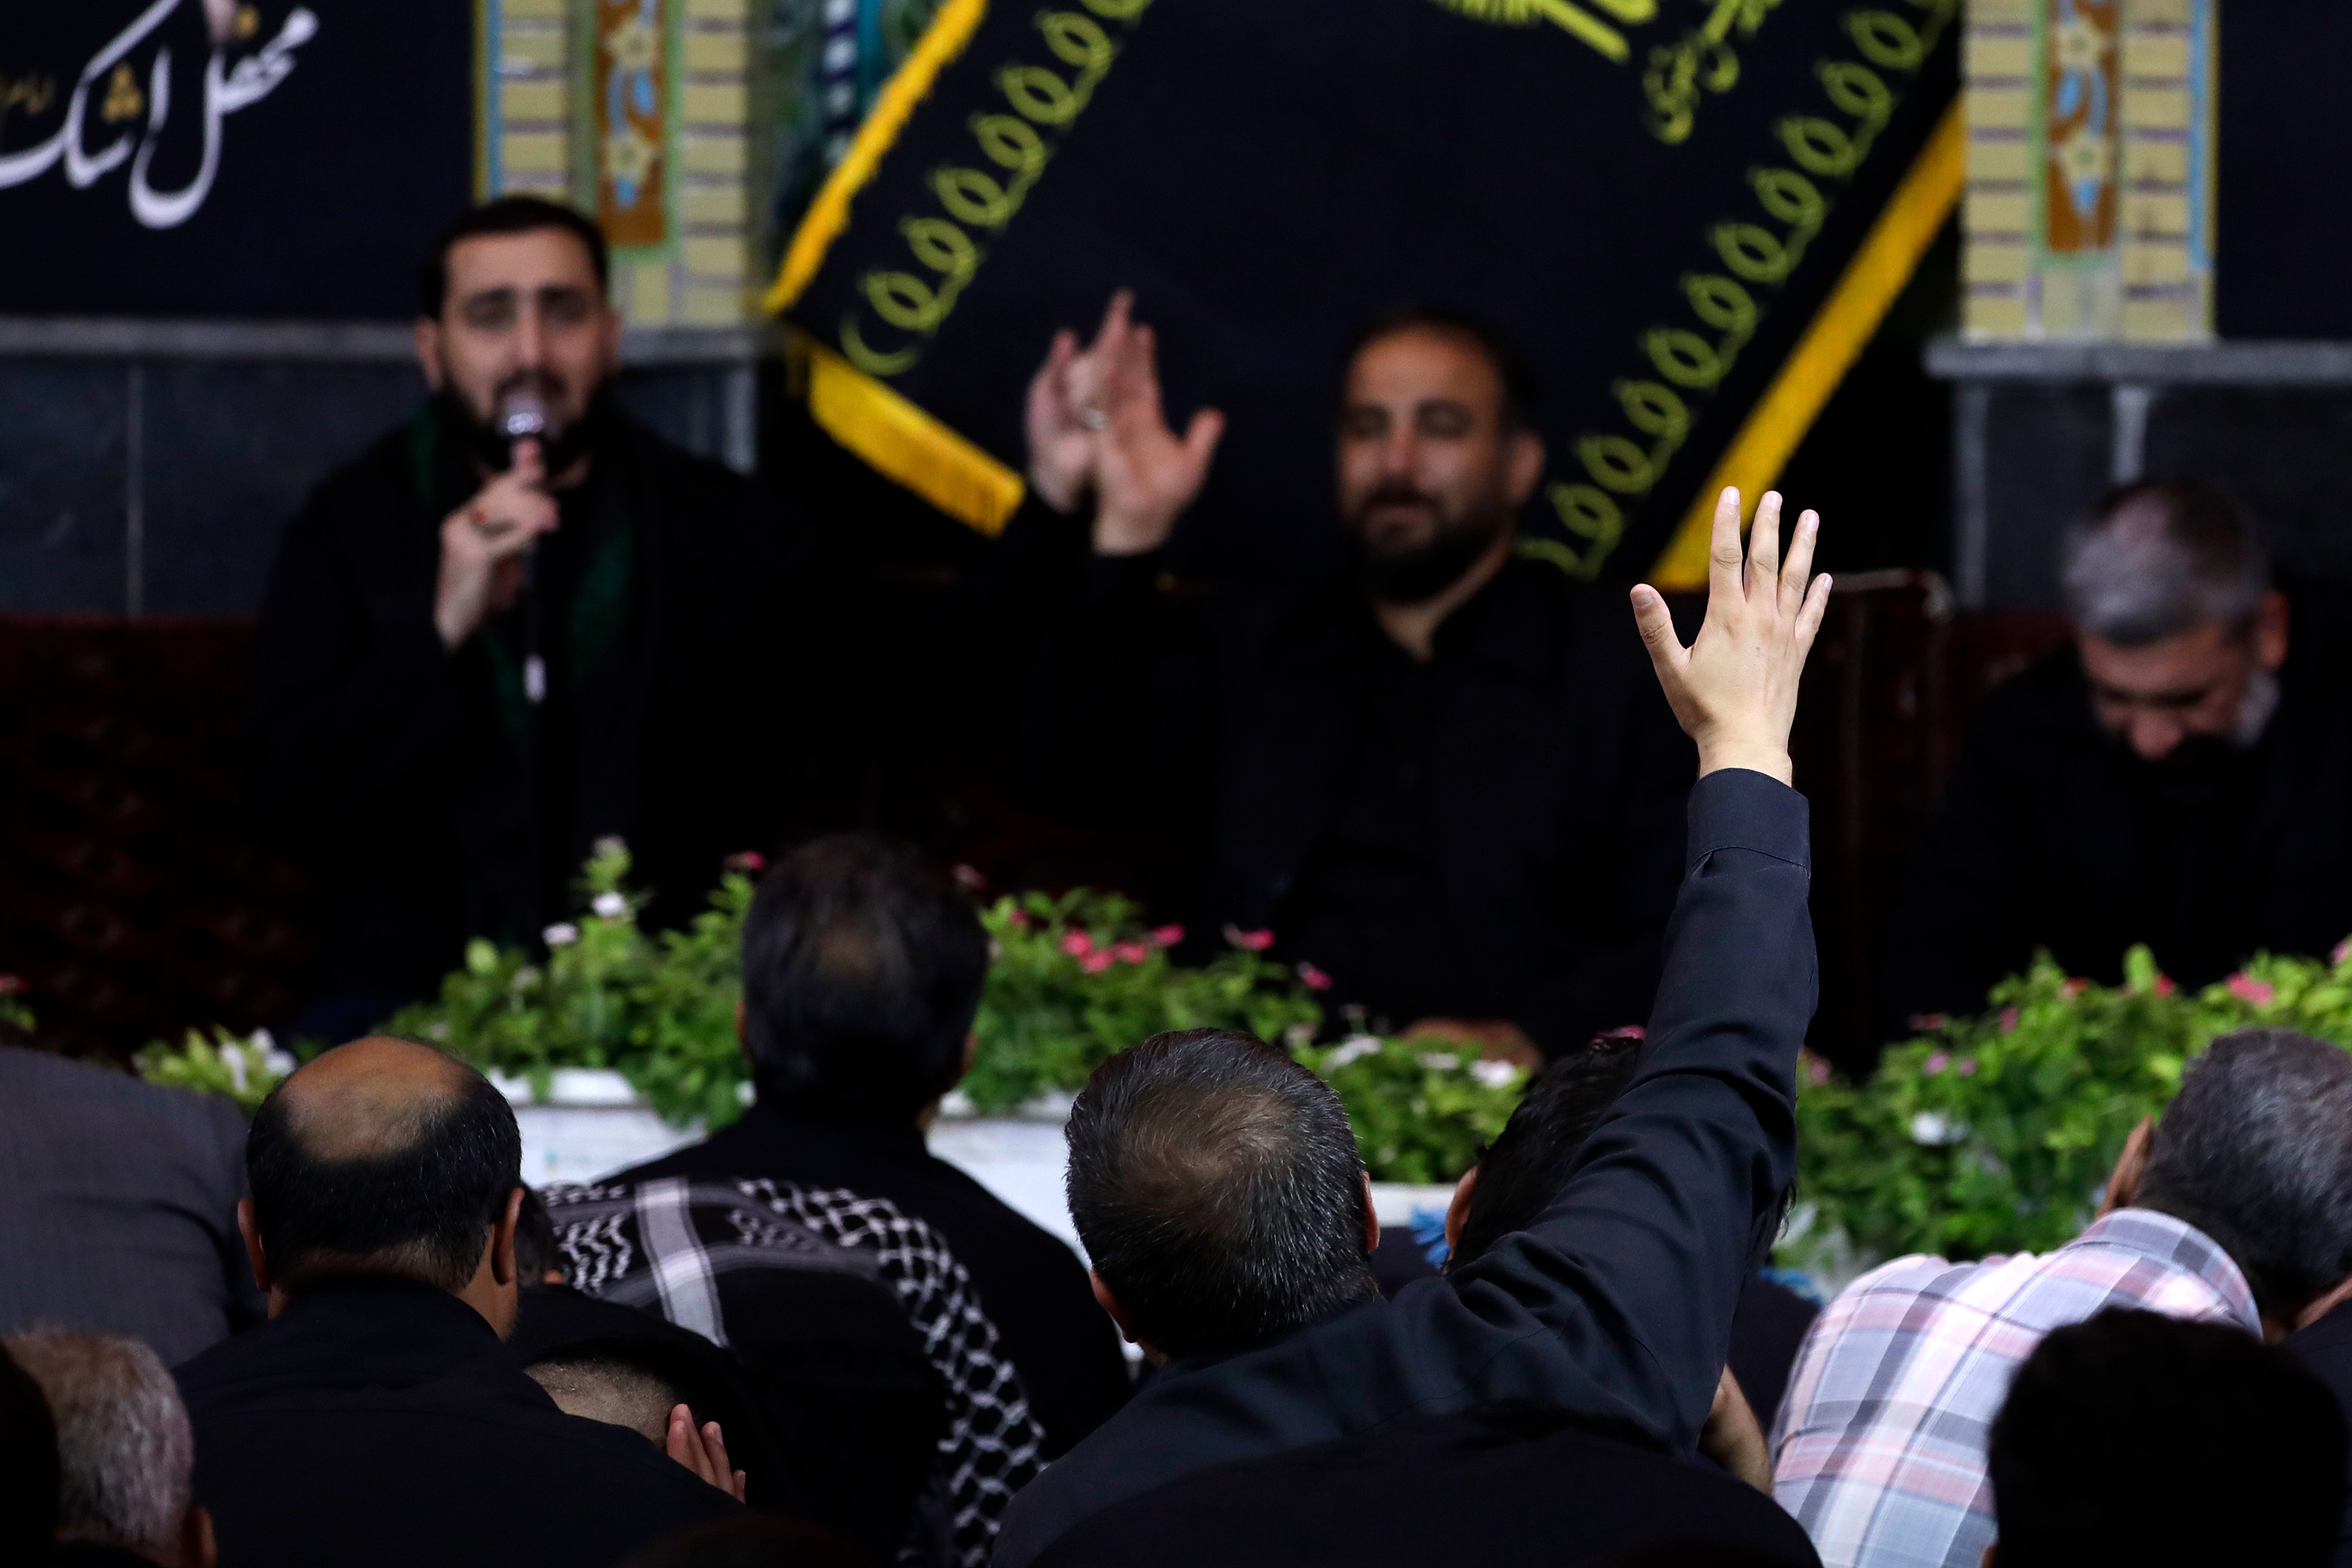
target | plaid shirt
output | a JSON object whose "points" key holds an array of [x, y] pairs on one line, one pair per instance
{"points": [[1879, 1450], [663, 1245]]}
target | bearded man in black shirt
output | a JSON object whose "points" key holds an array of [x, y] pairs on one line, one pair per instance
{"points": [[519, 623], [2169, 777], [1445, 780]]}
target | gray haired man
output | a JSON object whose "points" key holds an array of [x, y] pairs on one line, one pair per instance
{"points": [[2170, 777], [125, 1454]]}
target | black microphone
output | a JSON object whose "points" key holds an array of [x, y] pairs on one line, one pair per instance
{"points": [[523, 416]]}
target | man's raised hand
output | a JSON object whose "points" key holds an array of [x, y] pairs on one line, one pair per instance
{"points": [[1096, 429], [1734, 689]]}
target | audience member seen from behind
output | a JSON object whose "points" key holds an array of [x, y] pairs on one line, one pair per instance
{"points": [[118, 1205], [751, 1541], [480, 652], [2134, 1439], [812, 1367], [125, 1456], [378, 1410], [28, 1466], [1517, 1179], [2169, 777], [1216, 1183], [1401, 771], [2235, 1208], [862, 974]]}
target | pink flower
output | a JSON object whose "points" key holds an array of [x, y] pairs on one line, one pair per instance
{"points": [[1313, 978], [1968, 1067], [1077, 945], [2246, 988], [2343, 951], [1166, 936], [1019, 919], [1927, 1023], [969, 878], [1817, 1070], [2009, 1020], [1130, 952], [1095, 962], [11, 984], [1254, 940], [750, 862], [2164, 985], [1937, 1062], [2076, 985]]}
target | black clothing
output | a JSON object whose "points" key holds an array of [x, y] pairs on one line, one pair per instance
{"points": [[1488, 1486], [2054, 835], [1767, 1326], [822, 1391], [2325, 1349], [1032, 1285], [94, 1555], [435, 802], [1495, 834], [1614, 1307], [378, 1421]]}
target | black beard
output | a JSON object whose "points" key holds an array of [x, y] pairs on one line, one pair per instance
{"points": [[495, 453], [1420, 576]]}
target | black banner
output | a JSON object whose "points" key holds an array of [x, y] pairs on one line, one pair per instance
{"points": [[229, 157], [1655, 196]]}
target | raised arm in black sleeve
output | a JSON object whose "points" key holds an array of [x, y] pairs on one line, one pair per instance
{"points": [[1616, 1305]]}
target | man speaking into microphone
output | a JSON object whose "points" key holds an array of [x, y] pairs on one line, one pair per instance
{"points": [[517, 624]]}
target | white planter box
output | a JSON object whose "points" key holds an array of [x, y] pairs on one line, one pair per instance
{"points": [[593, 1124]]}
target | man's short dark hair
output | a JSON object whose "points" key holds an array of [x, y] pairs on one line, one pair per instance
{"points": [[2256, 1152], [1216, 1186], [2135, 1437], [862, 974], [1522, 387], [1522, 1175], [506, 214], [2161, 557], [425, 1207]]}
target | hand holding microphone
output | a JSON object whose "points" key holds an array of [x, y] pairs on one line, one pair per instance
{"points": [[486, 543]]}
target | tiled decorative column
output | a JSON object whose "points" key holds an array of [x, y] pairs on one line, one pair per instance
{"points": [[521, 96], [2090, 169]]}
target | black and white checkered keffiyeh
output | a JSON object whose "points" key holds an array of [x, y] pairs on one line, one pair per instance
{"points": [[662, 1244]]}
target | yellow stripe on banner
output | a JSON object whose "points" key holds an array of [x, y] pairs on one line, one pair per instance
{"points": [[1878, 273], [828, 215], [901, 442]]}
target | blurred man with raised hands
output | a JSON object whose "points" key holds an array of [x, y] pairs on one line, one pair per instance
{"points": [[1216, 1189], [1441, 778]]}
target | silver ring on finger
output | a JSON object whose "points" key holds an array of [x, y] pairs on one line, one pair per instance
{"points": [[1093, 418]]}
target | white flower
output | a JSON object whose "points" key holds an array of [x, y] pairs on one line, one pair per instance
{"points": [[438, 1029], [563, 933], [1933, 1127], [611, 906], [1355, 1048], [1494, 1075], [1440, 1061]]}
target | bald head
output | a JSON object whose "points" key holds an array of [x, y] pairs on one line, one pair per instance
{"points": [[382, 1155]]}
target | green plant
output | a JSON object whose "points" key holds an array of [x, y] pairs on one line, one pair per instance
{"points": [[1423, 1110], [1994, 1133], [1072, 980], [1076, 979], [243, 1070]]}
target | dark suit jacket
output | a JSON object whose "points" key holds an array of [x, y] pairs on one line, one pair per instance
{"points": [[1490, 1486], [1556, 771], [2047, 838], [377, 1421], [1033, 1285], [393, 764], [1615, 1307], [117, 1206], [2325, 1349]]}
